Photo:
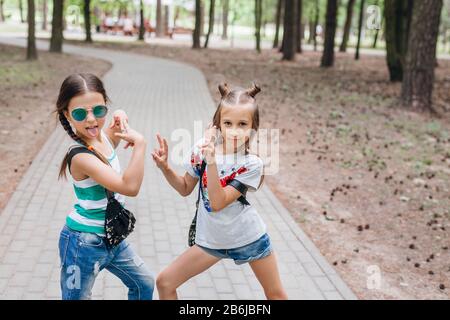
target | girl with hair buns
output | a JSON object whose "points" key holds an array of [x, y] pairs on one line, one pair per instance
{"points": [[227, 225], [81, 109]]}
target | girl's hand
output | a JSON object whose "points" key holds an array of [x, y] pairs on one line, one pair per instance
{"points": [[160, 156], [120, 118], [208, 147], [210, 134], [120, 123], [131, 136]]}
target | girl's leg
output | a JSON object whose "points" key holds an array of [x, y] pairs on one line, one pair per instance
{"points": [[266, 271], [82, 257], [190, 263], [133, 272]]}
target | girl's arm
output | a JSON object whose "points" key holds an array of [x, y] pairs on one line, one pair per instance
{"points": [[119, 123], [219, 197], [127, 184], [184, 185]]}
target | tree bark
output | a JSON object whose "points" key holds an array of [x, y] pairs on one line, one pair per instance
{"points": [[398, 18], [347, 26], [196, 33], [360, 26], [289, 46], [141, 36], [159, 20], [299, 32], [417, 86], [225, 11], [258, 19], [87, 20], [212, 5], [56, 39], [280, 5], [330, 33], [31, 43]]}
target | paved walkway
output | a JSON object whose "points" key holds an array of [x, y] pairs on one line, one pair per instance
{"points": [[159, 95]]}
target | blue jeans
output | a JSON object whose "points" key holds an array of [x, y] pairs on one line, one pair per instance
{"points": [[83, 255], [256, 250]]}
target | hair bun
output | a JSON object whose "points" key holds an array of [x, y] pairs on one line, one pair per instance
{"points": [[254, 90], [224, 90]]}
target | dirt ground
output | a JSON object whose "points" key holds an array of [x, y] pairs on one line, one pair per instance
{"points": [[28, 92], [367, 180]]}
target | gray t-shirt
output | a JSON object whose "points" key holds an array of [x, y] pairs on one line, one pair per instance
{"points": [[235, 225]]}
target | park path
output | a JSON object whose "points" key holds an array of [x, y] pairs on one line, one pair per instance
{"points": [[159, 96]]}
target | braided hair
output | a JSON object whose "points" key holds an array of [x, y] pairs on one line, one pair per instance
{"points": [[75, 85]]}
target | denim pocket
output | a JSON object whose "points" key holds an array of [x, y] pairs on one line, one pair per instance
{"points": [[90, 239]]}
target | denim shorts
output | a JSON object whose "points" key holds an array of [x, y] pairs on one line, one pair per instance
{"points": [[256, 250]]}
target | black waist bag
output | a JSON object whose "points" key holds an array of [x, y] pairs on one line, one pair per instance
{"points": [[119, 222]]}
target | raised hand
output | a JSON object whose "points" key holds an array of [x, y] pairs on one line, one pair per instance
{"points": [[161, 155], [129, 135], [208, 147]]}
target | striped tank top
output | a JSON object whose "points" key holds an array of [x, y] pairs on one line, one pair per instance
{"points": [[88, 214]]}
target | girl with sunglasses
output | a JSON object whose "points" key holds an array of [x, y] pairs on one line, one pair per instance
{"points": [[82, 110]]}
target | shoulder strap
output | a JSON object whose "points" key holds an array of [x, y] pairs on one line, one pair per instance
{"points": [[202, 171], [76, 150], [242, 188]]}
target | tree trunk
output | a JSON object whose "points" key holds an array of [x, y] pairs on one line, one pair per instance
{"points": [[398, 18], [347, 26], [330, 32], [31, 45], [21, 11], [316, 23], [87, 20], [2, 13], [289, 38], [141, 35], [159, 20], [196, 33], [278, 22], [44, 15], [417, 86], [212, 5], [225, 10], [360, 26], [176, 15], [166, 19], [56, 39], [202, 17], [299, 32], [258, 19], [377, 34]]}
